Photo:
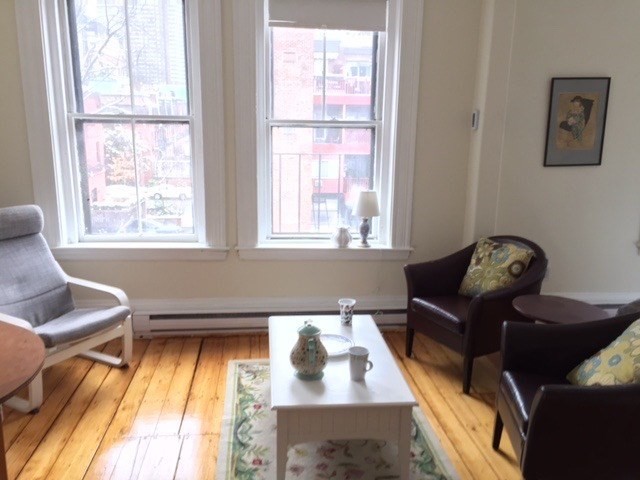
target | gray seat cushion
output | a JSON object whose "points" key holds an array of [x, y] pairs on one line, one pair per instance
{"points": [[80, 323]]}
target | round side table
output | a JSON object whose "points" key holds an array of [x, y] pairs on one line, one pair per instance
{"points": [[21, 357], [557, 310]]}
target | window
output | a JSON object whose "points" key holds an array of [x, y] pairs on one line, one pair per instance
{"points": [[125, 159], [132, 128], [310, 190], [329, 121]]}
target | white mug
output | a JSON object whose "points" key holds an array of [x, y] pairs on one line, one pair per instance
{"points": [[346, 310], [359, 363]]}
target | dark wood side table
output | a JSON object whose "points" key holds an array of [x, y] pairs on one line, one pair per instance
{"points": [[21, 358], [557, 310]]}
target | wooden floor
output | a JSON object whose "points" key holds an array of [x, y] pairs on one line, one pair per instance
{"points": [[160, 418]]}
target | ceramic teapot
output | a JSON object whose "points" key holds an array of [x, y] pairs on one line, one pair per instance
{"points": [[309, 356]]}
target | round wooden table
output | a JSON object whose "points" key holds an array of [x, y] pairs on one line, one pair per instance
{"points": [[21, 358], [557, 310]]}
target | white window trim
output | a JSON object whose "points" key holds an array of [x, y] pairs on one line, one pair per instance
{"points": [[404, 34], [39, 74]]}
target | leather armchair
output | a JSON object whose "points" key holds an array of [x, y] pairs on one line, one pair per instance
{"points": [[558, 430], [470, 326]]}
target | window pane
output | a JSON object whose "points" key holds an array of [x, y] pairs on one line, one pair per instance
{"points": [[156, 39], [317, 74], [99, 51], [314, 184], [141, 187], [155, 47]]}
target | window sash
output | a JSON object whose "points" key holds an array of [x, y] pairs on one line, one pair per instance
{"points": [[265, 214], [76, 115]]}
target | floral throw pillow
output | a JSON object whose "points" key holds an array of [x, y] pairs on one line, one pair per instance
{"points": [[494, 265], [617, 364]]}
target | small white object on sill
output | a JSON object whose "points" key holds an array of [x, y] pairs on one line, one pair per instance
{"points": [[341, 238]]}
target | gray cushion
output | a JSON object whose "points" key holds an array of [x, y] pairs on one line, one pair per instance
{"points": [[32, 284], [80, 323], [20, 221]]}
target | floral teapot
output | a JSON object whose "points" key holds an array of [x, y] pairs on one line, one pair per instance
{"points": [[309, 356]]}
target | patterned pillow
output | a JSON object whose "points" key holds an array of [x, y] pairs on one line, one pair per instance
{"points": [[617, 364], [493, 266]]}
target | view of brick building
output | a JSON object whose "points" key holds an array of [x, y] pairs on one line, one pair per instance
{"points": [[316, 172]]}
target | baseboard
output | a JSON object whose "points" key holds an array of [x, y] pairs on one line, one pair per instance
{"points": [[205, 315], [154, 317]]}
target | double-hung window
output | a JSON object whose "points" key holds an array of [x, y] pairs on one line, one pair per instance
{"points": [[124, 150], [325, 123], [130, 119]]}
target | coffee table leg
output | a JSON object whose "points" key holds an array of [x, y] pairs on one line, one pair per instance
{"points": [[404, 443], [282, 444]]}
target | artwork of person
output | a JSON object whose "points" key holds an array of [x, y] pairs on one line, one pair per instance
{"points": [[573, 128]]}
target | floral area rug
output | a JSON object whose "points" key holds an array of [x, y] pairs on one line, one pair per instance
{"points": [[247, 442]]}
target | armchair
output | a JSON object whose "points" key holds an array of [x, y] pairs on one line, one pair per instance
{"points": [[35, 294], [470, 326], [558, 430]]}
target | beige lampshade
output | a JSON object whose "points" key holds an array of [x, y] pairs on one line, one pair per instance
{"points": [[367, 205]]}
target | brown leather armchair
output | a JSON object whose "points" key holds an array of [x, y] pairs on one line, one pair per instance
{"points": [[470, 326], [558, 430]]}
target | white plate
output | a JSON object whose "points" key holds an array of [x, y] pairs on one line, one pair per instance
{"points": [[335, 344]]}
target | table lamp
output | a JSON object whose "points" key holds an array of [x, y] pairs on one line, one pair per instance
{"points": [[366, 208]]}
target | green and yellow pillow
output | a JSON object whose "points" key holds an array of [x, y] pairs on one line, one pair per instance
{"points": [[617, 364], [494, 265]]}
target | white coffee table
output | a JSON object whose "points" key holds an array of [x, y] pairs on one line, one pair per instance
{"points": [[335, 408]]}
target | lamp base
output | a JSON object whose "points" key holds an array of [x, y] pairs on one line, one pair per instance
{"points": [[364, 233]]}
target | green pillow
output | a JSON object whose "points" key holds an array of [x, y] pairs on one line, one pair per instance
{"points": [[617, 364], [493, 266]]}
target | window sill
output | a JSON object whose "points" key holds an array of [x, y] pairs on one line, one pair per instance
{"points": [[140, 251], [299, 251]]}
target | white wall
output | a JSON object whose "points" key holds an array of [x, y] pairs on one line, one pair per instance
{"points": [[448, 68], [586, 218], [15, 169]]}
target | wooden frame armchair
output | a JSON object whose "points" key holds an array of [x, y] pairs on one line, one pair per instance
{"points": [[470, 326], [35, 294], [558, 430]]}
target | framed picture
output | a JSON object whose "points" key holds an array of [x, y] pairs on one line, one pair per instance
{"points": [[577, 116]]}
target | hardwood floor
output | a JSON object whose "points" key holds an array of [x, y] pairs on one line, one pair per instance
{"points": [[160, 418]]}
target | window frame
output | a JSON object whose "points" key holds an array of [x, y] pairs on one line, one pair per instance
{"points": [[375, 124], [45, 67], [399, 106]]}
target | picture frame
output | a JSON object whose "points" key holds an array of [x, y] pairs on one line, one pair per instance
{"points": [[577, 119]]}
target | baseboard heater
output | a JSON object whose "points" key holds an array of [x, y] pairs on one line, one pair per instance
{"points": [[149, 325]]}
